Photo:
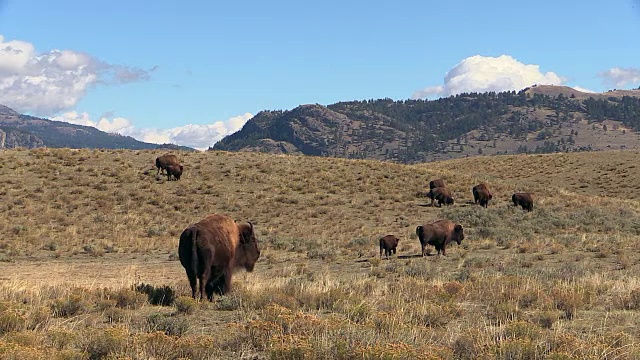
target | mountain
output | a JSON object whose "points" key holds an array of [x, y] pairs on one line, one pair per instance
{"points": [[17, 130], [539, 119]]}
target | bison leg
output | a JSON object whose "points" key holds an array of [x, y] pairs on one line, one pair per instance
{"points": [[423, 249], [215, 286], [381, 250], [204, 280], [193, 281]]}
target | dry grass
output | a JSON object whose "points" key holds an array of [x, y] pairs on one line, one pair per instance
{"points": [[80, 228]]}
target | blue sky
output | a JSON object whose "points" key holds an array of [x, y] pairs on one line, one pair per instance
{"points": [[191, 72]]}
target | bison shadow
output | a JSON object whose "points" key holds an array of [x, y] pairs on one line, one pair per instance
{"points": [[412, 256], [457, 204], [427, 205], [399, 257]]}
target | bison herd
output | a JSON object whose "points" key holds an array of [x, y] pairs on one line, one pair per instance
{"points": [[442, 232], [212, 249]]}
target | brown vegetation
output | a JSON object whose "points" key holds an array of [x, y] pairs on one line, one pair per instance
{"points": [[80, 228]]}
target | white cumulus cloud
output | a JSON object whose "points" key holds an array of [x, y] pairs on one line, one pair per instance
{"points": [[115, 125], [54, 81], [585, 90], [484, 73], [199, 137], [621, 77]]}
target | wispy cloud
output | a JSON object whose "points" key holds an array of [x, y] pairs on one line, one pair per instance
{"points": [[200, 137], [621, 77], [54, 81], [481, 74]]}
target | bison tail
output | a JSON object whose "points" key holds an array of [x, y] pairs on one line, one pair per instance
{"points": [[419, 231], [194, 250]]}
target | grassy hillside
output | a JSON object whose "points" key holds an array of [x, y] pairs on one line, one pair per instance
{"points": [[79, 228]]}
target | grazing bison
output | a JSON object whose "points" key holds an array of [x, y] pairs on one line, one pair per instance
{"points": [[482, 194], [442, 195], [439, 234], [175, 170], [162, 162], [436, 184], [523, 199], [388, 244], [212, 249]]}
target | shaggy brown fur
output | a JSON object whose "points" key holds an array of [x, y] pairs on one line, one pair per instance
{"points": [[162, 162], [482, 194], [212, 249], [436, 184], [388, 245], [439, 234], [442, 195], [175, 171], [524, 200]]}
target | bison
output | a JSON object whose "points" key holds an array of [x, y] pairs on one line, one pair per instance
{"points": [[388, 244], [436, 184], [482, 194], [439, 234], [175, 170], [442, 195], [162, 162], [212, 249], [524, 200]]}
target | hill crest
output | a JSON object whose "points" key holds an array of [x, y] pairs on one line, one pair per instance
{"points": [[539, 119], [17, 130]]}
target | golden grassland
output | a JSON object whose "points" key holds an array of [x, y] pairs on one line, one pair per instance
{"points": [[82, 230]]}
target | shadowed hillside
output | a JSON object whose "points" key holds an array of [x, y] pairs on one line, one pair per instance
{"points": [[80, 227], [18, 130]]}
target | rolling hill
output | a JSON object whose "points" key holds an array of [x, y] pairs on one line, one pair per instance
{"points": [[540, 119], [81, 238]]}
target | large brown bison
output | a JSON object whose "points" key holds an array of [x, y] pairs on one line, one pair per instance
{"points": [[442, 195], [436, 184], [524, 200], [439, 234], [388, 244], [175, 171], [212, 249], [482, 194], [162, 162]]}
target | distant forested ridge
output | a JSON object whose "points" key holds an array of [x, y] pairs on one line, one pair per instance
{"points": [[18, 130], [462, 125]]}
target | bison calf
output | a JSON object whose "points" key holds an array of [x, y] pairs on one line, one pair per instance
{"points": [[388, 245], [442, 195], [524, 200], [439, 234], [175, 171], [212, 249], [482, 194]]}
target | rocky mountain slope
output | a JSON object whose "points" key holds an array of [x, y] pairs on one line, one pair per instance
{"points": [[17, 130], [540, 119]]}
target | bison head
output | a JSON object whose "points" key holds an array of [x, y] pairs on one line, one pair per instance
{"points": [[249, 249], [458, 233]]}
